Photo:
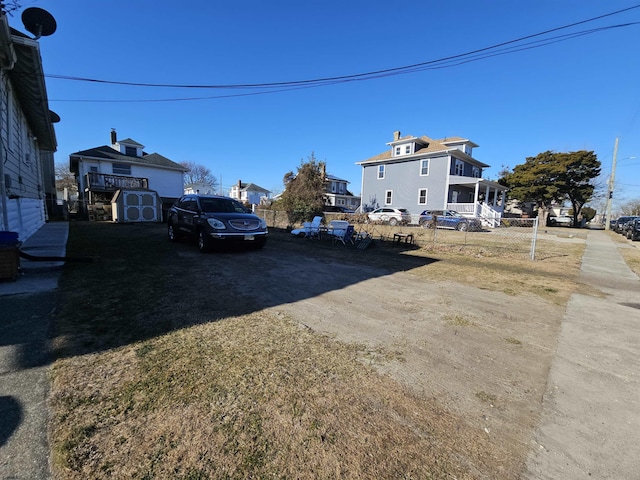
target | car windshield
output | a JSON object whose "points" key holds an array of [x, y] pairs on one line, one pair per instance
{"points": [[454, 213], [222, 205]]}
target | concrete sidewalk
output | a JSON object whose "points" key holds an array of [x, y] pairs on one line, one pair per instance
{"points": [[591, 409], [27, 307], [49, 241]]}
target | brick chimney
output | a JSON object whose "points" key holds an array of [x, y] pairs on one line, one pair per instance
{"points": [[396, 135]]}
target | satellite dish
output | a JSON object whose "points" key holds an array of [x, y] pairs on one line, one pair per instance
{"points": [[39, 22], [54, 117]]}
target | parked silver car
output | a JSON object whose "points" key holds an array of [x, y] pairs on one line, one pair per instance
{"points": [[393, 216]]}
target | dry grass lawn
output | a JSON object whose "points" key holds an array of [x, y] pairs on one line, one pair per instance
{"points": [[161, 373]]}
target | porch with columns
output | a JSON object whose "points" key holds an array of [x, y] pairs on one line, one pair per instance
{"points": [[487, 199]]}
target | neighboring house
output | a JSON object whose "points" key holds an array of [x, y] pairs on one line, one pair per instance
{"points": [[249, 193], [27, 136], [337, 193], [123, 165], [515, 208], [199, 188], [420, 173]]}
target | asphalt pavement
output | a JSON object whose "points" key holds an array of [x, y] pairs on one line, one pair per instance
{"points": [[591, 409]]}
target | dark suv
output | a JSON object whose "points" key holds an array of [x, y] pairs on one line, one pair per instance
{"points": [[449, 219], [633, 229], [215, 220], [621, 224]]}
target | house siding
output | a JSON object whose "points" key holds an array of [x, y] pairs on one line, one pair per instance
{"points": [[404, 179], [168, 183], [24, 187]]}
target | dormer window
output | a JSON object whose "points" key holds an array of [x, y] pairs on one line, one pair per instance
{"points": [[475, 172], [132, 151], [397, 150], [407, 149]]}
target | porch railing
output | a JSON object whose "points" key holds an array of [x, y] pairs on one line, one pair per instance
{"points": [[489, 215], [101, 182], [466, 209]]}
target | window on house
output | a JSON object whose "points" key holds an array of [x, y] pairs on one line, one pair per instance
{"points": [[475, 172], [422, 196], [121, 169], [130, 150], [380, 171], [342, 188], [93, 169], [388, 197], [407, 149], [397, 150], [424, 167], [459, 167]]}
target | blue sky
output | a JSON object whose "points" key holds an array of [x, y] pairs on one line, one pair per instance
{"points": [[581, 93]]}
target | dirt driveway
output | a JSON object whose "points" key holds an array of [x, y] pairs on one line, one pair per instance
{"points": [[482, 354]]}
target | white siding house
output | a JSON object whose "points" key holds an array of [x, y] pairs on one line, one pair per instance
{"points": [[101, 171], [27, 137], [249, 192]]}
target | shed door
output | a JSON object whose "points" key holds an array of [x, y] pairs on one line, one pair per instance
{"points": [[140, 207]]}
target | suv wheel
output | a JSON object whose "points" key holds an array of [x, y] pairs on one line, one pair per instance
{"points": [[393, 221], [204, 244]]}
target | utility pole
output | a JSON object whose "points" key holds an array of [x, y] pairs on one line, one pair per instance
{"points": [[612, 176]]}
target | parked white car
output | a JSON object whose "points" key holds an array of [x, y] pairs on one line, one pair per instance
{"points": [[561, 220], [392, 215]]}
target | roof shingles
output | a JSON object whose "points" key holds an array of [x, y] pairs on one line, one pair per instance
{"points": [[107, 153]]}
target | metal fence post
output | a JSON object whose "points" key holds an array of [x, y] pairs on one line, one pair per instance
{"points": [[533, 240]]}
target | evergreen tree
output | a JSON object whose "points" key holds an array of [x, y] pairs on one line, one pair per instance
{"points": [[553, 178], [304, 194]]}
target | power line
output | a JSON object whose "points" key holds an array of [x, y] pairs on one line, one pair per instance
{"points": [[441, 63]]}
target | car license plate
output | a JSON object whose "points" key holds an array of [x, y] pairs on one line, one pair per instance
{"points": [[249, 237]]}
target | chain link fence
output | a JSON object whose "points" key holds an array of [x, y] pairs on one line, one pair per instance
{"points": [[515, 237]]}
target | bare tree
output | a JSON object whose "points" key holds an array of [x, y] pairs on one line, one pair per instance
{"points": [[64, 178], [196, 173]]}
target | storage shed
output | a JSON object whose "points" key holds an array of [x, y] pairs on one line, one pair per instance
{"points": [[136, 205]]}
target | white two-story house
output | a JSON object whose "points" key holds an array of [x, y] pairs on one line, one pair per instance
{"points": [[420, 173], [122, 166], [249, 193]]}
